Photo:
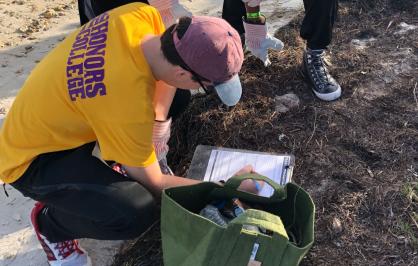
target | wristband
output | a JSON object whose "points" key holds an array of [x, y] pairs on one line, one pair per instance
{"points": [[257, 185]]}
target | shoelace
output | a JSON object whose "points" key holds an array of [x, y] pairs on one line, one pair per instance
{"points": [[48, 251], [66, 248], [318, 65]]}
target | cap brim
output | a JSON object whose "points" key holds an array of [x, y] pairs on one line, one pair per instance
{"points": [[230, 91]]}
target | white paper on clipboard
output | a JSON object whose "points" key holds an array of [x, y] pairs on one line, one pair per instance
{"points": [[223, 164]]}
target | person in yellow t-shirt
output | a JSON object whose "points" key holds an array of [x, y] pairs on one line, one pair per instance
{"points": [[95, 91], [170, 10]]}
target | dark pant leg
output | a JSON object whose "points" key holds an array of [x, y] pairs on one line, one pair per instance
{"points": [[318, 23], [84, 198], [101, 6], [233, 11], [82, 13], [180, 102]]}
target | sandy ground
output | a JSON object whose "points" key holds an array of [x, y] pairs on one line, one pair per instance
{"points": [[28, 30]]}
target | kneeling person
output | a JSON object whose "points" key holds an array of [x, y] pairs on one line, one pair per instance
{"points": [[97, 86]]}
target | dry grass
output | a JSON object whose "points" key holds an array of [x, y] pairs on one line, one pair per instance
{"points": [[358, 156]]}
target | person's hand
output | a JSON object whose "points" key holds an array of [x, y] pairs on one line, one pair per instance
{"points": [[252, 3], [258, 41], [160, 136], [170, 10], [250, 185]]}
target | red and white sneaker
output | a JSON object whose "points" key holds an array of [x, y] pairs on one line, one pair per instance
{"points": [[66, 253]]}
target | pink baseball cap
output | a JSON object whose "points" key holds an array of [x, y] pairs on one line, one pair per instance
{"points": [[212, 49]]}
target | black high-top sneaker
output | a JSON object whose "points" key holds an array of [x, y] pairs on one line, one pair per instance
{"points": [[315, 70]]}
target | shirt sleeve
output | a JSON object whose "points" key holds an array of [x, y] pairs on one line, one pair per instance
{"points": [[126, 143]]}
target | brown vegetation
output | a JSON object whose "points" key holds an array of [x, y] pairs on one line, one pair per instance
{"points": [[358, 156]]}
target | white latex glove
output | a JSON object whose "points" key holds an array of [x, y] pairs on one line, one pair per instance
{"points": [[258, 41], [160, 136], [170, 10], [252, 3]]}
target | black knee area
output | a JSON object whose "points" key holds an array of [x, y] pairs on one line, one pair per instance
{"points": [[137, 211]]}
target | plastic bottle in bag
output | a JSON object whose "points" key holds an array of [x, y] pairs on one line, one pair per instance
{"points": [[212, 213]]}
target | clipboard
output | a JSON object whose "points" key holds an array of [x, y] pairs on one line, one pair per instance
{"points": [[211, 163]]}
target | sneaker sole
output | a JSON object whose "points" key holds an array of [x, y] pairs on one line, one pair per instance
{"points": [[328, 96]]}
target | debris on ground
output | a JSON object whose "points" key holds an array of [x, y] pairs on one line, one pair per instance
{"points": [[357, 156]]}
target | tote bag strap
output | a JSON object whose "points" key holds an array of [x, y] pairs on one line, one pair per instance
{"points": [[233, 237], [234, 182], [262, 219]]}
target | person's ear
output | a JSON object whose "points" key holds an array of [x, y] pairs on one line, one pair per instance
{"points": [[181, 74]]}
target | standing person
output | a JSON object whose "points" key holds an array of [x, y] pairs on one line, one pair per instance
{"points": [[97, 86], [316, 29], [258, 40], [170, 10]]}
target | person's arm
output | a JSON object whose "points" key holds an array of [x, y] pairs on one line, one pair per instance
{"points": [[163, 97], [256, 17], [152, 178], [170, 10], [155, 181], [257, 39]]}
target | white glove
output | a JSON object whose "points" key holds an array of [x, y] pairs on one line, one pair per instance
{"points": [[170, 10], [160, 136], [252, 3], [258, 41]]}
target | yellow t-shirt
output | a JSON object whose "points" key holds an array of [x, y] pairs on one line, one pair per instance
{"points": [[94, 86]]}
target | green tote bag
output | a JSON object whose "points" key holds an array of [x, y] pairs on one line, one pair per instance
{"points": [[189, 239]]}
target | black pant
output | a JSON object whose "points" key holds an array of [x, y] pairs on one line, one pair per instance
{"points": [[85, 198], [233, 11], [100, 6], [180, 102], [316, 27]]}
